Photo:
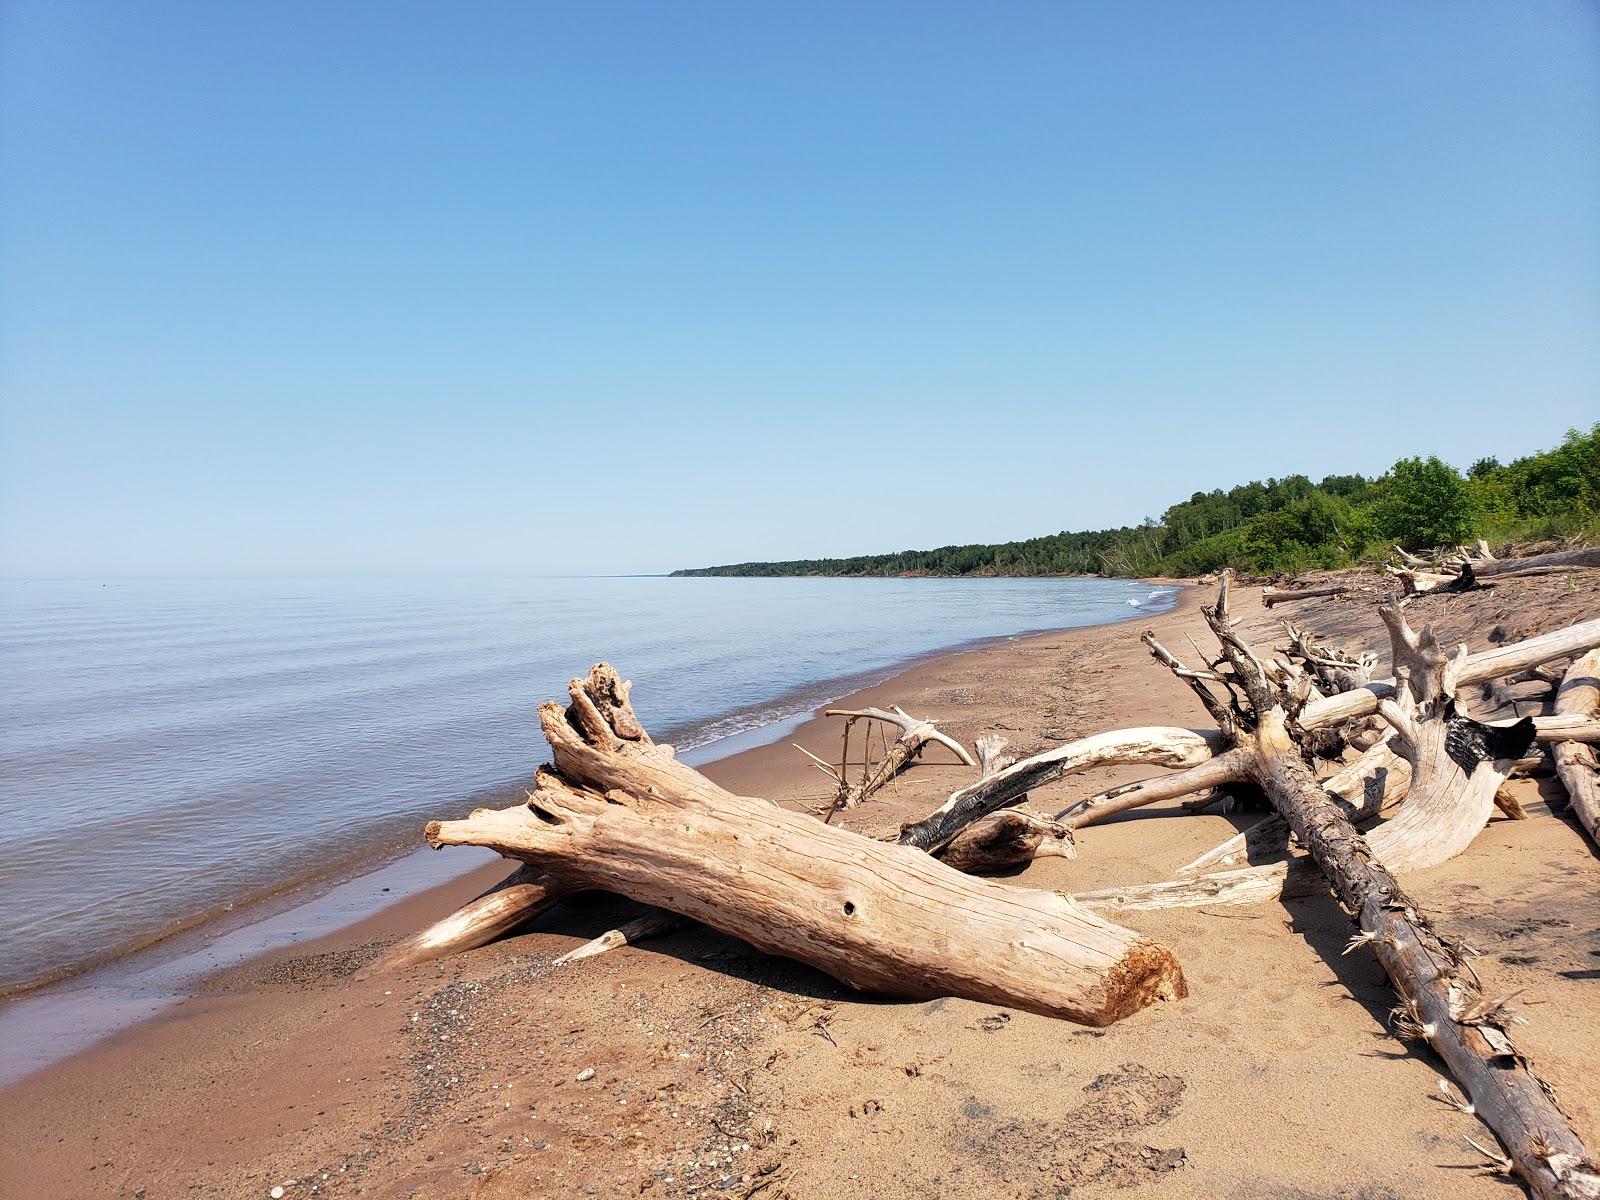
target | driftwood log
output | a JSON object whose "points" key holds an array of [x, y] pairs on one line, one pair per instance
{"points": [[514, 901], [617, 813], [1577, 764], [1440, 1001], [1158, 745], [1272, 595]]}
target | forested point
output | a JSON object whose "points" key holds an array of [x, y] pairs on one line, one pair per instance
{"points": [[1285, 525]]}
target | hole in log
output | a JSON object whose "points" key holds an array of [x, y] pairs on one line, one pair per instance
{"points": [[849, 908]]}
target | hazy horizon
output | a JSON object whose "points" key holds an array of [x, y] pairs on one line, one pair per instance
{"points": [[532, 291]]}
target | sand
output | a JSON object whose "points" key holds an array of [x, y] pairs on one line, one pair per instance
{"points": [[719, 1071]]}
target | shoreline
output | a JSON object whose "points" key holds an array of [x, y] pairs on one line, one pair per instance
{"points": [[139, 979], [691, 1065]]}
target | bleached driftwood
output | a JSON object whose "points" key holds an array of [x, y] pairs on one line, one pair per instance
{"points": [[1577, 765], [1158, 745], [1440, 999], [1273, 595], [615, 813], [513, 902], [654, 923], [915, 734]]}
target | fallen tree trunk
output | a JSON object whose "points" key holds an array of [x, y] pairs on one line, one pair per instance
{"points": [[1577, 765], [1560, 560], [1272, 595], [616, 813], [1439, 999]]}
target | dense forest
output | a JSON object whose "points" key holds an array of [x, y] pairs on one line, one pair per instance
{"points": [[1285, 525]]}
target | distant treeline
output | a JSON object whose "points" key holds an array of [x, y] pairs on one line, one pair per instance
{"points": [[1284, 525]]}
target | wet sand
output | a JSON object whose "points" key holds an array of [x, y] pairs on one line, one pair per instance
{"points": [[721, 1071]]}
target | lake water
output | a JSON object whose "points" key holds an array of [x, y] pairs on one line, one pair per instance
{"points": [[169, 749]]}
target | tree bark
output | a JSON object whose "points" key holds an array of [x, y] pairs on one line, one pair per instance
{"points": [[616, 813]]}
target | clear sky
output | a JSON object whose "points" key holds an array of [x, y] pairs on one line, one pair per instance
{"points": [[312, 287]]}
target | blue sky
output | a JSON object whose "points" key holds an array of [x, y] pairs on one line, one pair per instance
{"points": [[300, 287]]}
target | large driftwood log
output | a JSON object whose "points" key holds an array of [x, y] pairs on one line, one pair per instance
{"points": [[1440, 1000], [1560, 560], [1577, 765], [616, 813]]}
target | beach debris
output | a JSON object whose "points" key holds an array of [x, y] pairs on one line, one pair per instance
{"points": [[614, 812], [1577, 763], [585, 1075], [915, 735], [1454, 757]]}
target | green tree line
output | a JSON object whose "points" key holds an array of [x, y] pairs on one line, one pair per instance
{"points": [[1284, 525]]}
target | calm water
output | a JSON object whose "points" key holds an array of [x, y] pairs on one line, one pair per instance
{"points": [[168, 748]]}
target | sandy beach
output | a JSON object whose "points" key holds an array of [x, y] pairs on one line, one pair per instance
{"points": [[721, 1071]]}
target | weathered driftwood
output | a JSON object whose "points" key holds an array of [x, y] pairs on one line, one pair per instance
{"points": [[915, 734], [1577, 765], [1456, 769], [1362, 788], [1333, 668], [1272, 595], [616, 813], [1457, 764], [1158, 745], [1418, 582], [1560, 560], [514, 901], [1245, 885], [1214, 773], [1502, 660], [1007, 837], [1440, 1000], [654, 923], [1194, 749]]}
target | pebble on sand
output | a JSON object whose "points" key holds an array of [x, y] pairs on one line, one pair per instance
{"points": [[585, 1075]]}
